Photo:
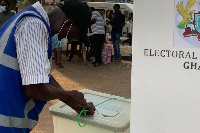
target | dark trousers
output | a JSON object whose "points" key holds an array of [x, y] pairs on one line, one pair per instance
{"points": [[97, 42], [129, 40], [116, 40], [73, 48]]}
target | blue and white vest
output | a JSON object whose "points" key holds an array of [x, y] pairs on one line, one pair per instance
{"points": [[18, 113]]}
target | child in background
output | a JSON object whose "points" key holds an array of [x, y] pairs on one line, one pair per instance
{"points": [[107, 30]]}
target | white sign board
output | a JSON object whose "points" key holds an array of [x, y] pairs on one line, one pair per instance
{"points": [[165, 71]]}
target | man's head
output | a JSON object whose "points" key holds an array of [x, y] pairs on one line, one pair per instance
{"points": [[78, 14], [60, 23], [92, 9], [5, 6], [116, 7]]}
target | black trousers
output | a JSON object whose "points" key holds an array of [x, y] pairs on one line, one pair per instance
{"points": [[73, 47], [97, 42], [129, 40]]}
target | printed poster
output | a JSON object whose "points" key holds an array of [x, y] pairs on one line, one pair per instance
{"points": [[187, 23]]}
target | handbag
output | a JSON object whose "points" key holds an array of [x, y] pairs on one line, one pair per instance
{"points": [[106, 54]]}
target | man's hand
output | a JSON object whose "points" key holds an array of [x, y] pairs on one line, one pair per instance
{"points": [[93, 21], [77, 102]]}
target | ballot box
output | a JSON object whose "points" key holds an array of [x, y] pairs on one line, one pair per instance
{"points": [[112, 116]]}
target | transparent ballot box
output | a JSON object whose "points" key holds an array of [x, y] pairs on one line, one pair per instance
{"points": [[112, 116]]}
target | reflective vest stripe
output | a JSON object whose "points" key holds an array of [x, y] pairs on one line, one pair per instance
{"points": [[7, 60], [29, 105], [8, 121]]}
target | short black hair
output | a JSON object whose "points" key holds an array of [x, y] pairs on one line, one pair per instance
{"points": [[117, 5], [7, 2], [79, 12], [92, 8]]}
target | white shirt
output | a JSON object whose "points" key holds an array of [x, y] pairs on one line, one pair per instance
{"points": [[129, 25], [32, 39]]}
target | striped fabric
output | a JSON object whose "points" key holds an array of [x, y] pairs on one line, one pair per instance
{"points": [[98, 27], [32, 40]]}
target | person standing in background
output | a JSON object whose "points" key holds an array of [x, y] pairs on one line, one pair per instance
{"points": [[107, 30], [58, 52], [111, 15], [118, 22], [129, 33], [5, 12], [98, 32]]}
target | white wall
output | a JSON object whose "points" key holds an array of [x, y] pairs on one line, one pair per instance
{"points": [[165, 95]]}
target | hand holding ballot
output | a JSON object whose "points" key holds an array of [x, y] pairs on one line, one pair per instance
{"points": [[78, 103]]}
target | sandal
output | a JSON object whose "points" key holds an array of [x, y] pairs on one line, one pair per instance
{"points": [[61, 66], [57, 64]]}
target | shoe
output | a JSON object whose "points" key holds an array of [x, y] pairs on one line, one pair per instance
{"points": [[118, 60], [95, 64], [60, 65], [70, 58], [114, 59]]}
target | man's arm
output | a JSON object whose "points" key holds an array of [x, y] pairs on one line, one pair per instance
{"points": [[93, 21], [94, 17], [46, 92]]}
